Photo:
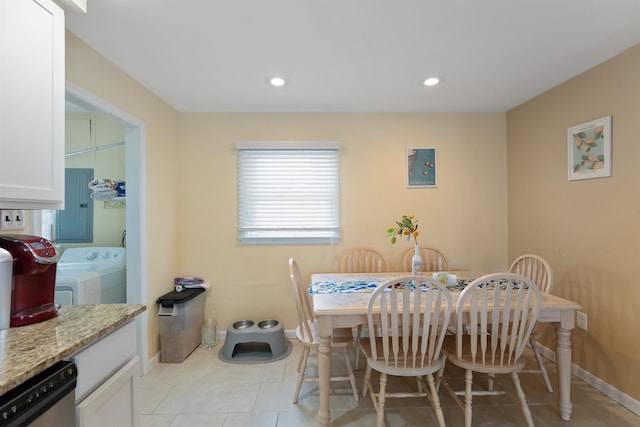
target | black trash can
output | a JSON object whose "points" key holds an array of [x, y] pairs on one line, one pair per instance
{"points": [[181, 315]]}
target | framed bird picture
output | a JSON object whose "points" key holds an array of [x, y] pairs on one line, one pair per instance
{"points": [[590, 149]]}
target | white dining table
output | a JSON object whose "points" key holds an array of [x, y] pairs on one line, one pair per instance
{"points": [[340, 300]]}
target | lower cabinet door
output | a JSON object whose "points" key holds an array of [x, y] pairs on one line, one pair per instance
{"points": [[115, 402]]}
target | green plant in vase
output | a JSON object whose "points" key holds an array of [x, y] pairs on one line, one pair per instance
{"points": [[408, 227]]}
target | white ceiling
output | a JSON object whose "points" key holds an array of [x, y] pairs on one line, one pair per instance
{"points": [[355, 55]]}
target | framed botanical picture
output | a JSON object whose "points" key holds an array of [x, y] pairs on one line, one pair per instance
{"points": [[590, 149], [421, 167]]}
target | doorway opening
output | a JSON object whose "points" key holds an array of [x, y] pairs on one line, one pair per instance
{"points": [[136, 232]]}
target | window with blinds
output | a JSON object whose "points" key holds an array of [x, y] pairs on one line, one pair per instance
{"points": [[288, 192]]}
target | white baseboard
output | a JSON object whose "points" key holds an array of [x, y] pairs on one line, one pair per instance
{"points": [[154, 361], [622, 398], [289, 334]]}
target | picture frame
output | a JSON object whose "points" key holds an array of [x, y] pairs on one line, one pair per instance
{"points": [[589, 148], [421, 167]]}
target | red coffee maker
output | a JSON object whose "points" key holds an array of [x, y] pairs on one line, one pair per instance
{"points": [[34, 278]]}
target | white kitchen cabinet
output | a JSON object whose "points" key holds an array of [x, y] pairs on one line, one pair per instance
{"points": [[115, 402], [31, 104], [108, 386]]}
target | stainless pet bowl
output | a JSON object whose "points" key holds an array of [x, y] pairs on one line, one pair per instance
{"points": [[266, 324], [243, 324]]}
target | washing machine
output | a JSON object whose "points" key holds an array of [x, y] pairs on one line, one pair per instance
{"points": [[91, 275]]}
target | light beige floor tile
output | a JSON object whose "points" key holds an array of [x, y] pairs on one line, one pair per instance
{"points": [[506, 415], [257, 373], [180, 373], [156, 420], [199, 420], [479, 383], [275, 397], [406, 417], [597, 414], [583, 394], [291, 368], [340, 395], [204, 390], [355, 418], [422, 416], [186, 399], [298, 418], [252, 419], [152, 393], [535, 391]]}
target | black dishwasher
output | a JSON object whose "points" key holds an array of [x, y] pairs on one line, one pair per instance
{"points": [[47, 399]]}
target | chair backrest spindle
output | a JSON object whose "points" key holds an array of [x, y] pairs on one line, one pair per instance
{"points": [[410, 314], [432, 259], [363, 260], [502, 311], [535, 268]]}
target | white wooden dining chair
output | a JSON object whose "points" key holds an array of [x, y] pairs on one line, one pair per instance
{"points": [[537, 269], [432, 259], [409, 315], [495, 315], [362, 260], [307, 334]]}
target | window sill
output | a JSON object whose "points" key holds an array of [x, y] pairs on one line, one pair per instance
{"points": [[290, 240]]}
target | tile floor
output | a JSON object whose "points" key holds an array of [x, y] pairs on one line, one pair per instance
{"points": [[204, 391]]}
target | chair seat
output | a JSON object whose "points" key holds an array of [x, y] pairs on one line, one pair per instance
{"points": [[467, 362], [403, 367]]}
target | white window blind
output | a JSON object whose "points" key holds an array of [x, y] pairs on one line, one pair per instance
{"points": [[288, 192]]}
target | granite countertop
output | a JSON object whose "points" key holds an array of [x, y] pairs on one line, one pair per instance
{"points": [[27, 350]]}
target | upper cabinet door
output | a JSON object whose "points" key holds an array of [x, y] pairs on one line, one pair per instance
{"points": [[31, 104]]}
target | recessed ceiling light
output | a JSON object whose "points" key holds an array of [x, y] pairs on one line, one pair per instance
{"points": [[431, 81], [277, 81]]}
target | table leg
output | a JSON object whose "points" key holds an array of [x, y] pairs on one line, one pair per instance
{"points": [[563, 360], [324, 370]]}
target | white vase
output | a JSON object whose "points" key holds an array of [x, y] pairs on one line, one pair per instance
{"points": [[416, 261]]}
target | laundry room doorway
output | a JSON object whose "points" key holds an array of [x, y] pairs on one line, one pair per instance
{"points": [[135, 225]]}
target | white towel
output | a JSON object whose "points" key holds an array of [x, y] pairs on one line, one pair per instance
{"points": [[104, 195]]}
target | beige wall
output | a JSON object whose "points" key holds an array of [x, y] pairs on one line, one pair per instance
{"points": [[191, 191], [589, 230], [465, 216], [92, 72]]}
